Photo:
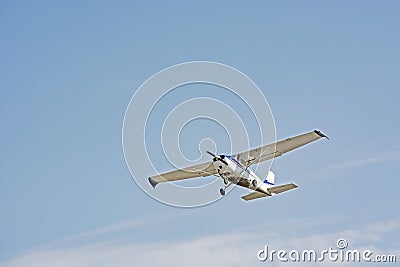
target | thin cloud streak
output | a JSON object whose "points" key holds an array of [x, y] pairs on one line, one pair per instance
{"points": [[236, 248], [330, 171], [353, 163]]}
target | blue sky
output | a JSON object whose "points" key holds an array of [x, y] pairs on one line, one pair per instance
{"points": [[68, 73]]}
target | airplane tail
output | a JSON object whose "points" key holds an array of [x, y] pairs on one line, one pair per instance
{"points": [[271, 189], [270, 179]]}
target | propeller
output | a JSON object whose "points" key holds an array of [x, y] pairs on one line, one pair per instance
{"points": [[216, 157], [212, 154]]}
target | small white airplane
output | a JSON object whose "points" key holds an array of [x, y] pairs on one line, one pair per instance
{"points": [[235, 169]]}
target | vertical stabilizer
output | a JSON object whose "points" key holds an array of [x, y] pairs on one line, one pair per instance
{"points": [[270, 180]]}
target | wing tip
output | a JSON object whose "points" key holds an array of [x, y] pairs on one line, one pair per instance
{"points": [[321, 134], [153, 182]]}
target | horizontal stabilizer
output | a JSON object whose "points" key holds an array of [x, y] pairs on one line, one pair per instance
{"points": [[273, 190], [281, 188], [254, 195]]}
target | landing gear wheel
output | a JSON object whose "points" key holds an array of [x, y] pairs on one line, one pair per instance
{"points": [[254, 183], [226, 181], [222, 192]]}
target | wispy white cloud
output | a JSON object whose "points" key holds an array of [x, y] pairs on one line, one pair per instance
{"points": [[366, 159], [109, 229], [371, 159], [236, 247]]}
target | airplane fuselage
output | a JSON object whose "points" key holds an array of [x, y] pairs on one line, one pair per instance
{"points": [[234, 172]]}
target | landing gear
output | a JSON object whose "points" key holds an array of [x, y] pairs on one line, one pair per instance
{"points": [[226, 181], [254, 183], [222, 192]]}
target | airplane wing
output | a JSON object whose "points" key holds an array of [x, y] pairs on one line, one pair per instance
{"points": [[277, 149], [203, 169], [274, 190]]}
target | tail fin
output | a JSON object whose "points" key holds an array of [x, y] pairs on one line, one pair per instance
{"points": [[270, 180]]}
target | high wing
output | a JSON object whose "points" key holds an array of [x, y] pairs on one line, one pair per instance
{"points": [[273, 190], [277, 149], [203, 169]]}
